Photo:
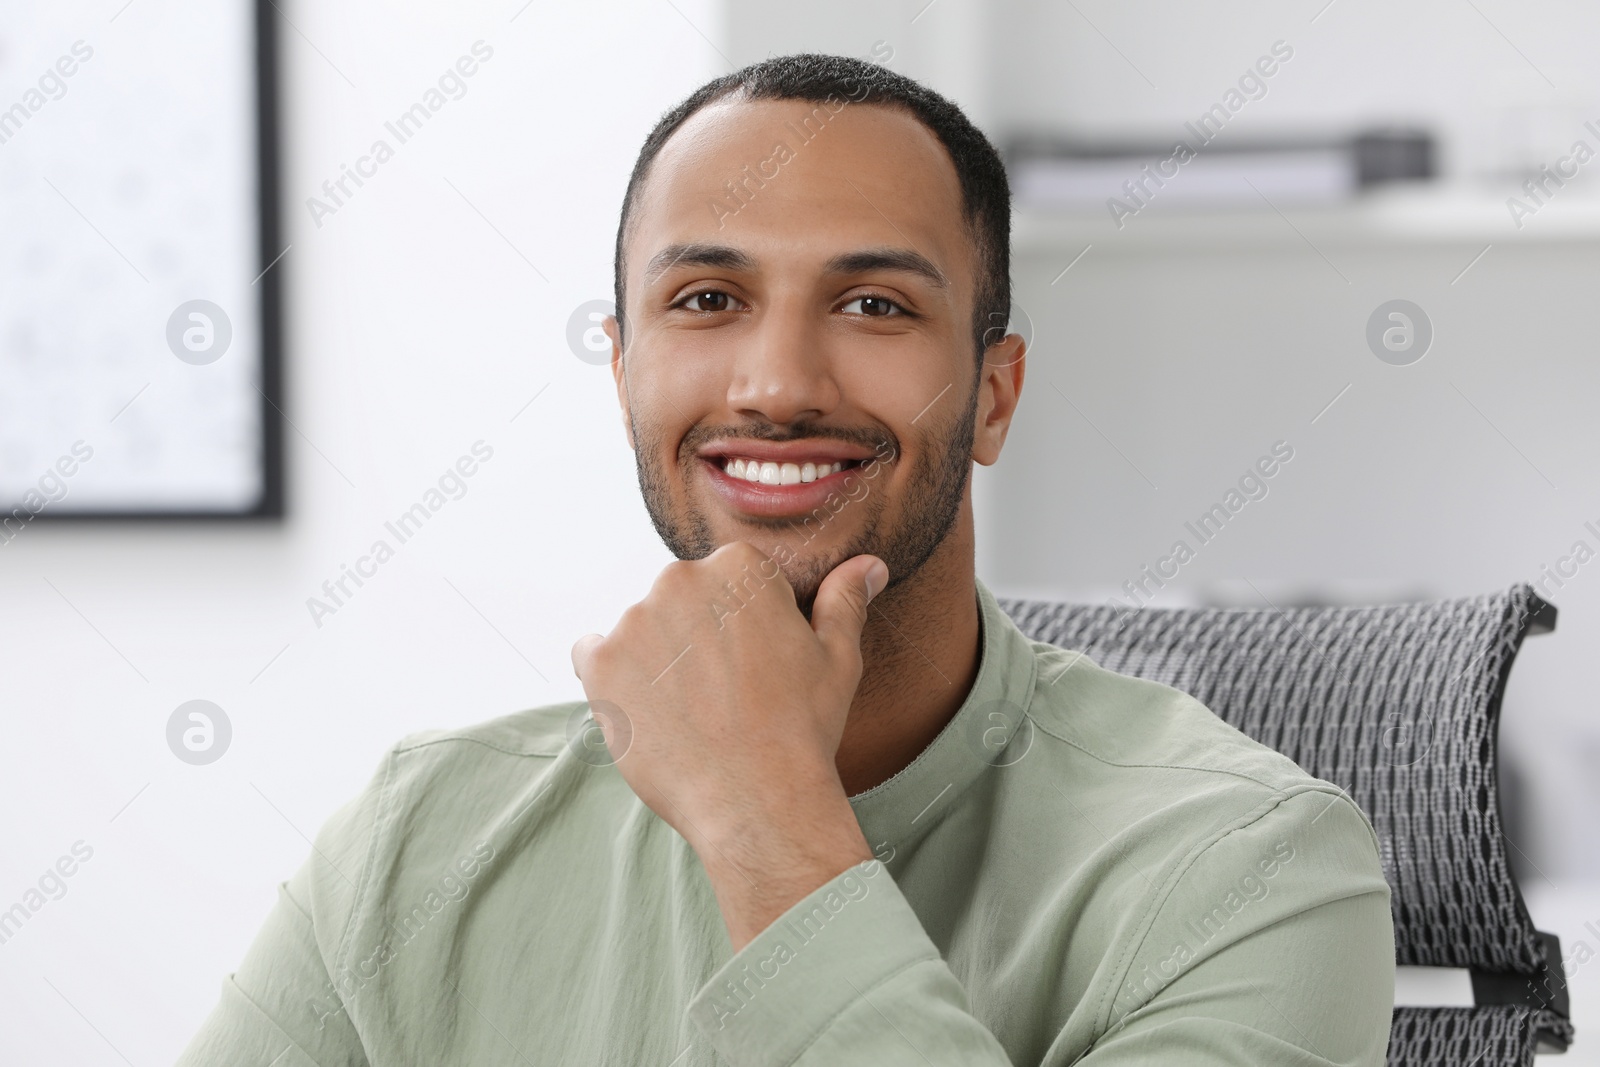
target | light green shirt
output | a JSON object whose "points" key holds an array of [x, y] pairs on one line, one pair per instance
{"points": [[1083, 867]]}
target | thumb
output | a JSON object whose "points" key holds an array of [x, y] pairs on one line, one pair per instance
{"points": [[583, 653], [839, 612]]}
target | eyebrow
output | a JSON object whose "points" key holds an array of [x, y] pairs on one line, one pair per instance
{"points": [[863, 261], [903, 260], [696, 254]]}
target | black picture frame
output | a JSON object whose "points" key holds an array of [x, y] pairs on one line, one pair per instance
{"points": [[271, 506]]}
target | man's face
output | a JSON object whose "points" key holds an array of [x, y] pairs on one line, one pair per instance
{"points": [[796, 306]]}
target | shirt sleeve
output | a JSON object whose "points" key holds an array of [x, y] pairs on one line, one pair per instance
{"points": [[1274, 946], [1292, 967], [846, 976], [282, 1007]]}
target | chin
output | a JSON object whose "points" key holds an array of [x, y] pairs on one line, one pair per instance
{"points": [[805, 575]]}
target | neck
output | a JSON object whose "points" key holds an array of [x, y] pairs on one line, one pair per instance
{"points": [[920, 653]]}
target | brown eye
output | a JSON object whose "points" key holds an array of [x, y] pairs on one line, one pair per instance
{"points": [[710, 300], [873, 307]]}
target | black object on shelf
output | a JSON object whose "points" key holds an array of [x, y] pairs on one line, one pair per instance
{"points": [[1393, 156]]}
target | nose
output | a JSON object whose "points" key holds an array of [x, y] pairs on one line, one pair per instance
{"points": [[783, 374]]}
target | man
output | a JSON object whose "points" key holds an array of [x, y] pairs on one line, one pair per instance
{"points": [[837, 809]]}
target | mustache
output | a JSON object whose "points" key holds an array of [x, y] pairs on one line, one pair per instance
{"points": [[871, 438]]}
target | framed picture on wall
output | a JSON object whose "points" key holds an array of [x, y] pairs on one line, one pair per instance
{"points": [[140, 372]]}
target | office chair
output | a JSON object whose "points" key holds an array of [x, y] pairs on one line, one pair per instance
{"points": [[1398, 705]]}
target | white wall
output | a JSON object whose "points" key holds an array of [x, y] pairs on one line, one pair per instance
{"points": [[415, 330]]}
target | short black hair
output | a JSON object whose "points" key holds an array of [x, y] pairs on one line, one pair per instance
{"points": [[818, 79]]}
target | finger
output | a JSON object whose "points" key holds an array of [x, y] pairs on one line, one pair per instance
{"points": [[583, 653], [839, 613]]}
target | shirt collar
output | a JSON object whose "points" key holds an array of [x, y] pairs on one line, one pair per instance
{"points": [[895, 814]]}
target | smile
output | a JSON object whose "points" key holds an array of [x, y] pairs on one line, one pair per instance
{"points": [[784, 480]]}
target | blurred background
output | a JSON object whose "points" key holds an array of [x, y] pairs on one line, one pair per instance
{"points": [[1379, 254]]}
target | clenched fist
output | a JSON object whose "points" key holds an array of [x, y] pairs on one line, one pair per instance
{"points": [[724, 708]]}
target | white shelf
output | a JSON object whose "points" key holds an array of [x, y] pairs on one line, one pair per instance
{"points": [[1401, 216]]}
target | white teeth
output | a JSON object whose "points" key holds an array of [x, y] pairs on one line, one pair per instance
{"points": [[778, 473]]}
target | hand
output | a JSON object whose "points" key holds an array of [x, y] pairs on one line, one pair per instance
{"points": [[724, 708]]}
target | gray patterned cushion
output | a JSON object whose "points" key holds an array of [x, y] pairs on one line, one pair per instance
{"points": [[1502, 1036]]}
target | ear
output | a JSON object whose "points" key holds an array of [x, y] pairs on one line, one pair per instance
{"points": [[999, 388], [614, 331]]}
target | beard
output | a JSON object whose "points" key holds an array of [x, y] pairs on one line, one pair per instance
{"points": [[903, 538]]}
